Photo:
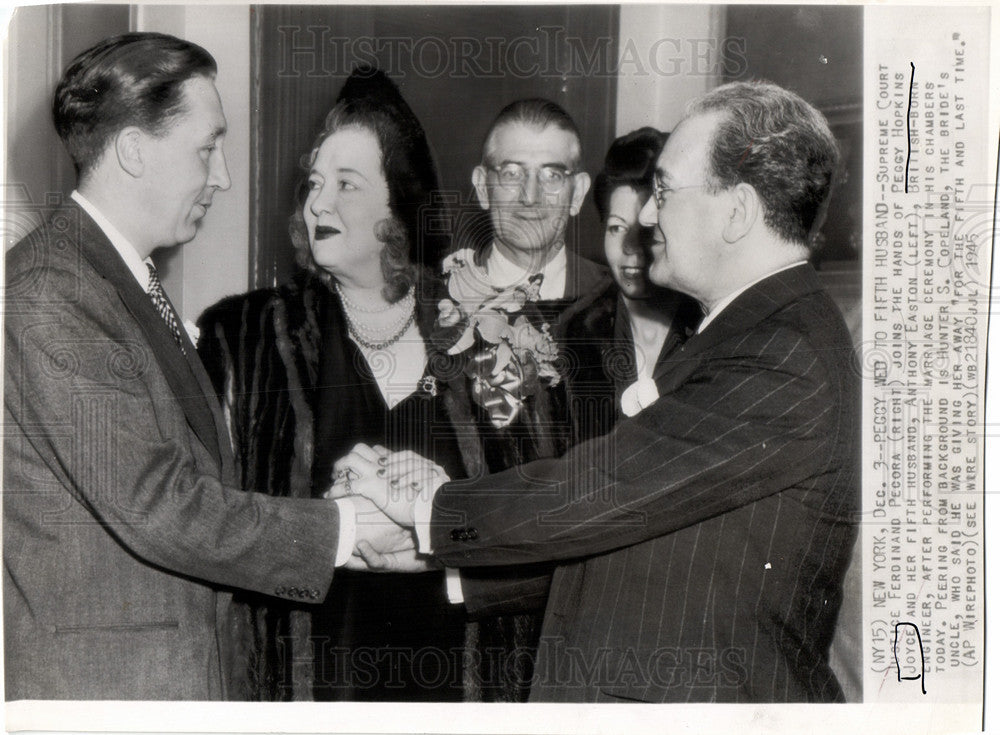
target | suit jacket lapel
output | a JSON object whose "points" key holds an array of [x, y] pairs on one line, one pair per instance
{"points": [[188, 387], [225, 452], [686, 316], [752, 306]]}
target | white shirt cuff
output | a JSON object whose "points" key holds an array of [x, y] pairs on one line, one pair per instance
{"points": [[348, 532], [423, 507], [453, 585]]}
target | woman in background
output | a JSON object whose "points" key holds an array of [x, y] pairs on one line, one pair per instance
{"points": [[620, 339], [334, 358]]}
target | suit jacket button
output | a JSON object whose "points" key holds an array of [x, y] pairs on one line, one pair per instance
{"points": [[456, 534], [314, 593], [292, 591], [473, 534], [279, 590]]}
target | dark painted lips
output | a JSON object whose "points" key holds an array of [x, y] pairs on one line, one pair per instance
{"points": [[322, 232]]}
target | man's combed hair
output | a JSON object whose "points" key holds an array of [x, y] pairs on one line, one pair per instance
{"points": [[630, 161], [131, 79], [782, 146], [534, 112]]}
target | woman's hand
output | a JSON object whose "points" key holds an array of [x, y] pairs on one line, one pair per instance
{"points": [[407, 467], [361, 462], [400, 480]]}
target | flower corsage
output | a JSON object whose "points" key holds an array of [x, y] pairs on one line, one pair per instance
{"points": [[506, 357]]}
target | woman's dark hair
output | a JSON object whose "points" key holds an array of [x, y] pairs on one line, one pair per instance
{"points": [[131, 79], [631, 161], [414, 236]]}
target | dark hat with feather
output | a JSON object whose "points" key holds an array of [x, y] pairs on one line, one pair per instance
{"points": [[370, 99]]}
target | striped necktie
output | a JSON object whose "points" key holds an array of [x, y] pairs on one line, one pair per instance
{"points": [[159, 299]]}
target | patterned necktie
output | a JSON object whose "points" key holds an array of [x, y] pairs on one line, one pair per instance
{"points": [[159, 299]]}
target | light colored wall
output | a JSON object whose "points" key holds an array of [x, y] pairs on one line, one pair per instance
{"points": [[216, 262], [667, 56], [39, 42], [28, 116]]}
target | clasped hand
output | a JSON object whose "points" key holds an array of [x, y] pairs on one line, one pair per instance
{"points": [[383, 487]]}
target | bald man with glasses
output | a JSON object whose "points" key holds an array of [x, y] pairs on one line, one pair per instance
{"points": [[530, 183]]}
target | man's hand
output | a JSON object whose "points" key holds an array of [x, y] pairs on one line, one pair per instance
{"points": [[391, 561], [382, 545], [376, 533], [393, 481]]}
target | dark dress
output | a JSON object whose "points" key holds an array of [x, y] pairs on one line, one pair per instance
{"points": [[381, 637], [298, 395]]}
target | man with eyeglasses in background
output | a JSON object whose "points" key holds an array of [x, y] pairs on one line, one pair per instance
{"points": [[530, 182]]}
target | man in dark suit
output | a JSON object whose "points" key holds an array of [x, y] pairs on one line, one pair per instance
{"points": [[123, 530], [702, 544]]}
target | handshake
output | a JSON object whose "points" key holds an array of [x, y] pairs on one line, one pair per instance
{"points": [[384, 487]]}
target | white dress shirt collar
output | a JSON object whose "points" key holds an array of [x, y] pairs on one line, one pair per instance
{"points": [[136, 265], [504, 272], [732, 297]]}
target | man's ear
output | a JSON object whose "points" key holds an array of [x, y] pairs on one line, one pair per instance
{"points": [[581, 185], [128, 149], [745, 210], [482, 190]]}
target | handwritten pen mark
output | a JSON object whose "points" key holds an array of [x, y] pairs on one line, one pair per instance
{"points": [[909, 145], [895, 655], [885, 675]]}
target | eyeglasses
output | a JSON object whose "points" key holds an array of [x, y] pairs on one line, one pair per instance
{"points": [[660, 191], [513, 176]]}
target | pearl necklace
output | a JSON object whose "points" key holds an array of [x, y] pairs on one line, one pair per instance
{"points": [[374, 338], [354, 306], [353, 328]]}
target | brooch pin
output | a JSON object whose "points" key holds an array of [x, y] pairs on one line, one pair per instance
{"points": [[429, 385]]}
